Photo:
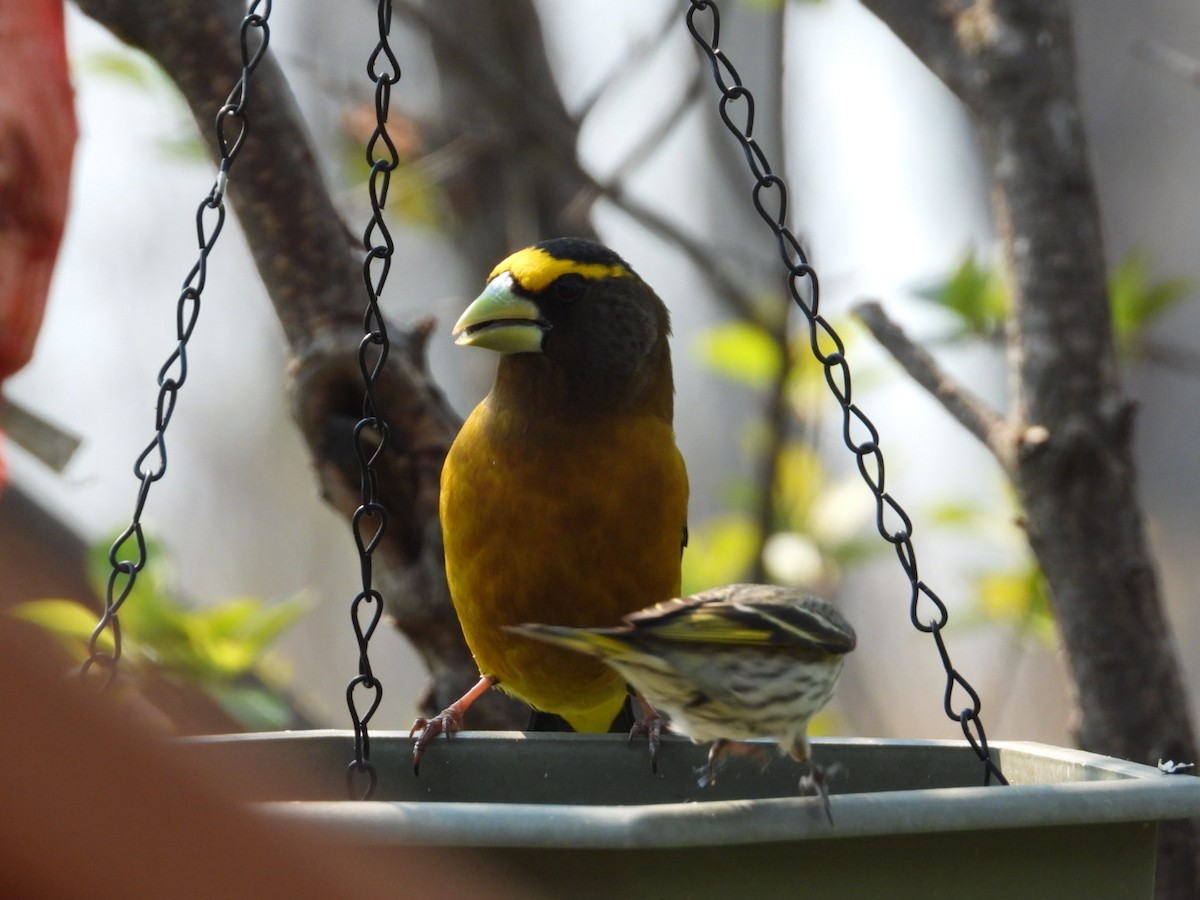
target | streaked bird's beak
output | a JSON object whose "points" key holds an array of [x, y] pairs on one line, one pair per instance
{"points": [[500, 319]]}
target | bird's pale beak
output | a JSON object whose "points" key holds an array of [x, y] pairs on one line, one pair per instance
{"points": [[500, 319]]}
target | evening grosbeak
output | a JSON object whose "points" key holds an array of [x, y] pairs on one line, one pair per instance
{"points": [[564, 496]]}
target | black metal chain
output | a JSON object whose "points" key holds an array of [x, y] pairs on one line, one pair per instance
{"points": [[210, 219], [371, 432], [770, 198]]}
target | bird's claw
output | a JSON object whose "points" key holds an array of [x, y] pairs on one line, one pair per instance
{"points": [[721, 749], [651, 728], [446, 722], [817, 781], [708, 771]]}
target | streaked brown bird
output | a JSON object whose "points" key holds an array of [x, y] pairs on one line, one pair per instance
{"points": [[564, 496], [729, 664]]}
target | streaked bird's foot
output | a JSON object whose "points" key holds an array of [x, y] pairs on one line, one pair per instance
{"points": [[722, 749], [651, 728], [817, 782]]}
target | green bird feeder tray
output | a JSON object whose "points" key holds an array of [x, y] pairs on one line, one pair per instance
{"points": [[910, 818]]}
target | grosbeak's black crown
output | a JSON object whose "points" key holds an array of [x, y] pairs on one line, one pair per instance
{"points": [[580, 250]]}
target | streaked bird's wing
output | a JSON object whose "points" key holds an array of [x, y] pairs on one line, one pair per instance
{"points": [[748, 615]]}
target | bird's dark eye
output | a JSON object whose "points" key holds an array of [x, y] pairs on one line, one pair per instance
{"points": [[568, 287]]}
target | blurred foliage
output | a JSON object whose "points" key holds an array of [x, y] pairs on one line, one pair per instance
{"points": [[976, 294], [819, 518], [1137, 300], [821, 523], [222, 648], [1015, 598], [720, 551], [1019, 599], [414, 193], [742, 352], [180, 141], [746, 354]]}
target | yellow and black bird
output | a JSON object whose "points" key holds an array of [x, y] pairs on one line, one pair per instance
{"points": [[564, 496], [729, 664]]}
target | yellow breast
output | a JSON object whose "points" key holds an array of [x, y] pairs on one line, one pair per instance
{"points": [[578, 530]]}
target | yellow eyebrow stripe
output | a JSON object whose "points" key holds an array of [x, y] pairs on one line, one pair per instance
{"points": [[534, 270]]}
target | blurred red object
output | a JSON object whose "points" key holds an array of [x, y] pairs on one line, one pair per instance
{"points": [[96, 804], [37, 143]]}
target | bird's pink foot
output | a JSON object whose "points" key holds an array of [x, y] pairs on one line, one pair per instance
{"points": [[446, 722], [650, 726]]}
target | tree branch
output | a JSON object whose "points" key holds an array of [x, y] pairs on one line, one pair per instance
{"points": [[968, 409], [1179, 64], [522, 125]]}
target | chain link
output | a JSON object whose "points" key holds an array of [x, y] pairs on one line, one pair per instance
{"points": [[151, 464], [770, 197], [371, 432]]}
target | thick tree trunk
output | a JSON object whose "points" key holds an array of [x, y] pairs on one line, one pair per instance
{"points": [[1066, 444]]}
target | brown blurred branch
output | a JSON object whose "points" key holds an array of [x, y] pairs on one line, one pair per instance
{"points": [[515, 113]]}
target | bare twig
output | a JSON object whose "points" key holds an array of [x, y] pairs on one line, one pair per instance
{"points": [[663, 128], [638, 52], [498, 86], [968, 409], [777, 414], [1171, 357], [1175, 62]]}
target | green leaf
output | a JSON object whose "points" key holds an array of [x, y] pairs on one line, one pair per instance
{"points": [[1137, 301], [211, 647], [225, 619], [741, 352], [227, 639], [272, 619], [217, 643], [975, 294]]}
